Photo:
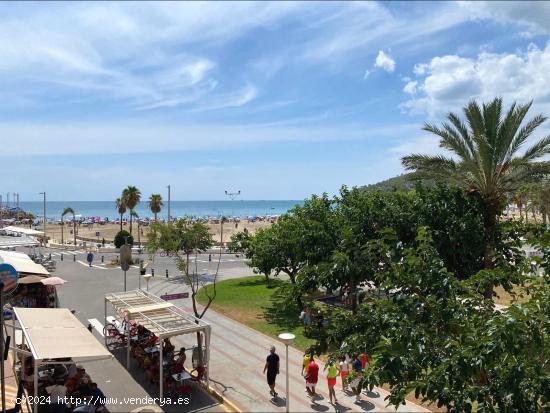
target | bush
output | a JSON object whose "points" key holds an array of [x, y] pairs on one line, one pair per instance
{"points": [[120, 238]]}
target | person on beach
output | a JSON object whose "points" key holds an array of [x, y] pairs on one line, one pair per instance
{"points": [[312, 377], [344, 371], [332, 373], [272, 368]]}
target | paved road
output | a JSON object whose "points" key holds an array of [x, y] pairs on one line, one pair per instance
{"points": [[84, 292], [238, 353]]}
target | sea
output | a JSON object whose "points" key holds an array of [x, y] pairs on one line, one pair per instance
{"points": [[178, 209]]}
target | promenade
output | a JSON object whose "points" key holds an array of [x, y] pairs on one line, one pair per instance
{"points": [[237, 354]]}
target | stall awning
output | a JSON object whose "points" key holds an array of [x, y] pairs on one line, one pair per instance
{"points": [[152, 312], [53, 333], [22, 263], [19, 230]]}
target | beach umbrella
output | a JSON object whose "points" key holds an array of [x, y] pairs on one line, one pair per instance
{"points": [[53, 281], [30, 279]]}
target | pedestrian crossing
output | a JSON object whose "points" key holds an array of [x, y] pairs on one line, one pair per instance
{"points": [[58, 254], [97, 325], [85, 264]]}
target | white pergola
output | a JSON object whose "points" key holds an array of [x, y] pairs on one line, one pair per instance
{"points": [[160, 317], [54, 333]]}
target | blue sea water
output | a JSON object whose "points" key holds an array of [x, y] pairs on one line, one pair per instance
{"points": [[107, 209]]}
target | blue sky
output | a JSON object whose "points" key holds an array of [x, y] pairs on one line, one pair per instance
{"points": [[278, 100]]}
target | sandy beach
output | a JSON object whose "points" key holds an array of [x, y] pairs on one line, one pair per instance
{"points": [[109, 230]]}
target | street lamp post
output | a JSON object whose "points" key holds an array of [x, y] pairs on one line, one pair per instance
{"points": [[147, 277], [287, 339], [168, 203], [44, 222]]}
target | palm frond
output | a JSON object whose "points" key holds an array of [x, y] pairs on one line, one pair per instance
{"points": [[539, 149], [524, 134]]}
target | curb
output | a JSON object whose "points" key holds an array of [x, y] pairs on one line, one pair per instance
{"points": [[230, 406]]}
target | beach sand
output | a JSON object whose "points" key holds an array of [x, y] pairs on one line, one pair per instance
{"points": [[108, 231]]}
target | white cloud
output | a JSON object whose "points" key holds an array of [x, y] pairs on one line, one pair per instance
{"points": [[366, 75], [448, 82], [384, 61], [534, 15], [410, 87]]}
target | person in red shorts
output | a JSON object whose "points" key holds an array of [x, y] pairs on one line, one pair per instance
{"points": [[312, 377], [344, 371], [332, 373]]}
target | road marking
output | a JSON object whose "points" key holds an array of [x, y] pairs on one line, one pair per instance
{"points": [[97, 325], [134, 266], [83, 263], [88, 265]]}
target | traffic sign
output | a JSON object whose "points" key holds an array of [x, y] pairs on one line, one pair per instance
{"points": [[125, 257], [176, 296]]}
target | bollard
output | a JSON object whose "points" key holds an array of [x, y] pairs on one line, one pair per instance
{"points": [[152, 272], [166, 272], [50, 256], [74, 258], [61, 256], [102, 258]]}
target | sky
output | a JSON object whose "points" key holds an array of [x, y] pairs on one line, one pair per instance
{"points": [[277, 100]]}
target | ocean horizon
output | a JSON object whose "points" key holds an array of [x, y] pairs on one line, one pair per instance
{"points": [[196, 209]]}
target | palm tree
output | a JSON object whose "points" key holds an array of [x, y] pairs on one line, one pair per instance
{"points": [[131, 196], [155, 202], [136, 216], [121, 206], [486, 157], [66, 211]]}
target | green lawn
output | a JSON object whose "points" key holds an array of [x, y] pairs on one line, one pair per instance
{"points": [[260, 306]]}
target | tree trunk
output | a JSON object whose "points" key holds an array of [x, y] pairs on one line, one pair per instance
{"points": [[187, 264], [130, 222], [121, 222], [155, 217], [62, 225], [353, 293], [74, 231], [489, 226], [299, 301]]}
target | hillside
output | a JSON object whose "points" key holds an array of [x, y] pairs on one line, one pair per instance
{"points": [[404, 182]]}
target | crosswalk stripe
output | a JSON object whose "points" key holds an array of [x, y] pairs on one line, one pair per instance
{"points": [[83, 263], [97, 325]]}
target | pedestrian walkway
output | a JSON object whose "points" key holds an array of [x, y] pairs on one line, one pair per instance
{"points": [[238, 356]]}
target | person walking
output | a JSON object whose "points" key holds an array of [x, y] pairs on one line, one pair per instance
{"points": [[90, 258], [344, 371], [312, 377], [332, 373], [305, 365], [272, 369], [358, 371]]}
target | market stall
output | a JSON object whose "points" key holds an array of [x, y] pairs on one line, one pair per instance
{"points": [[162, 319], [53, 336]]}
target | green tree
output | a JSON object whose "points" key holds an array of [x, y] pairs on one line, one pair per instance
{"points": [[121, 207], [487, 158], [184, 238], [155, 204], [131, 196], [436, 336], [68, 210], [123, 237]]}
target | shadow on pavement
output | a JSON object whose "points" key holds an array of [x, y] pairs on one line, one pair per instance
{"points": [[199, 399]]}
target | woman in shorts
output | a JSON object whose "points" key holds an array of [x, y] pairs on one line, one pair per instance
{"points": [[344, 371], [332, 373]]}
